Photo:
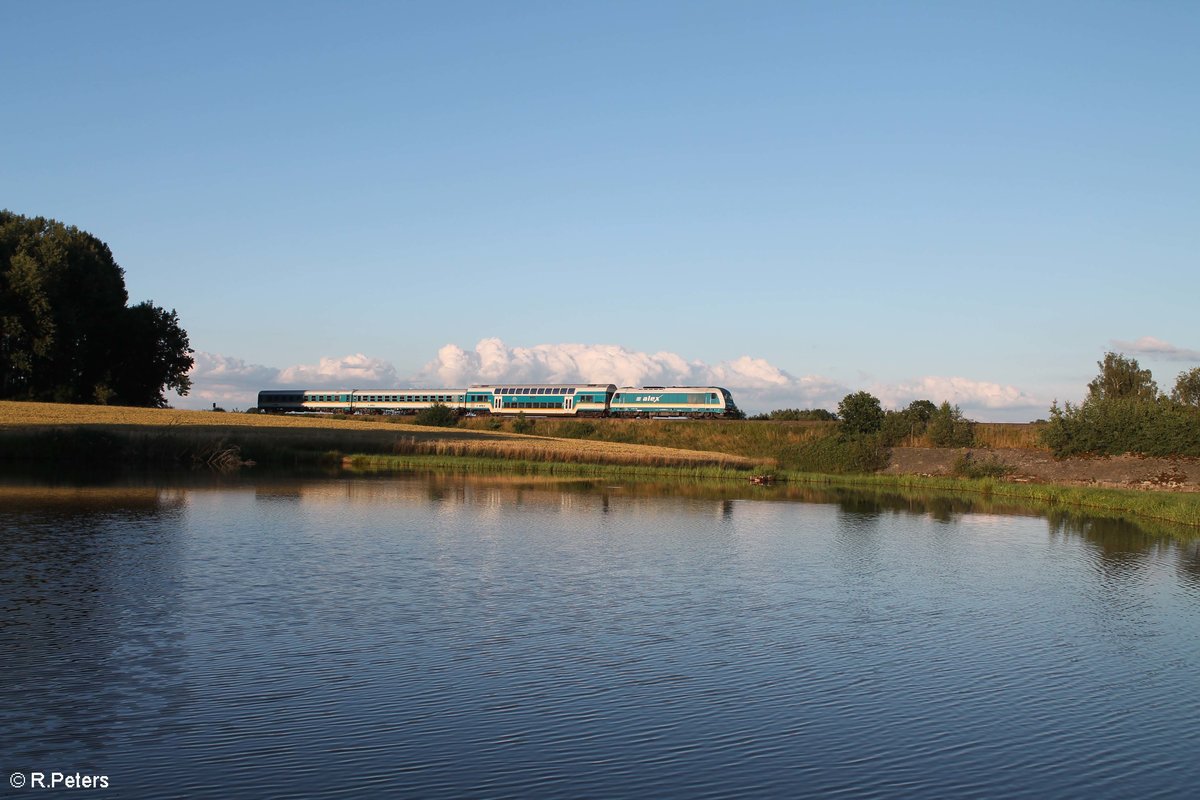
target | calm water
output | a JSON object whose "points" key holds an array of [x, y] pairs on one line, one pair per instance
{"points": [[428, 637]]}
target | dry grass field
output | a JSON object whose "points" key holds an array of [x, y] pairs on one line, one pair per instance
{"points": [[262, 437], [41, 414]]}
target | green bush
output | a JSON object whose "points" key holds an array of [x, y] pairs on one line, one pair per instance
{"points": [[967, 466], [949, 428], [575, 429], [437, 416], [1123, 425], [836, 454], [907, 424], [797, 415], [521, 424]]}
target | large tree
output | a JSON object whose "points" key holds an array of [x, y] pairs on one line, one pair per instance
{"points": [[66, 331], [860, 413], [1121, 378], [1187, 388]]}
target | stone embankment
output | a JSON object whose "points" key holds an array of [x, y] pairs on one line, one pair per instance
{"points": [[1038, 466]]}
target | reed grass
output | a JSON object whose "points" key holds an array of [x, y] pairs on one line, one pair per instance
{"points": [[1016, 435]]}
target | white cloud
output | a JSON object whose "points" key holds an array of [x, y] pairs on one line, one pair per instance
{"points": [[969, 394], [756, 384], [226, 381], [232, 383], [1150, 347], [348, 372]]}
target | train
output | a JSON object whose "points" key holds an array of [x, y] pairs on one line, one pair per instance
{"points": [[531, 399]]}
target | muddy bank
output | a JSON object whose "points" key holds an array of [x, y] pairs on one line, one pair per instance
{"points": [[1038, 466]]}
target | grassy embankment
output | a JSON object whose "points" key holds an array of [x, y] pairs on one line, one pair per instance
{"points": [[787, 446]]}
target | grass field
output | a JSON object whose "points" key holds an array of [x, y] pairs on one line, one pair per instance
{"points": [[95, 434], [775, 443]]}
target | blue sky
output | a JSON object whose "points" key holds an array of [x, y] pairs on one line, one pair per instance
{"points": [[800, 199]]}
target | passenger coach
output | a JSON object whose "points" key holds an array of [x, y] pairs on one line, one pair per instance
{"points": [[345, 401]]}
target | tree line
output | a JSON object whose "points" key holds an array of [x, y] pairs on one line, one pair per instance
{"points": [[862, 414], [1124, 412], [67, 331]]}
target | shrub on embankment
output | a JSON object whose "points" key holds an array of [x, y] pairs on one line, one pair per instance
{"points": [[1099, 426], [1124, 412]]}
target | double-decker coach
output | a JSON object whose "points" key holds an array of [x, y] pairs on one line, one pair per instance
{"points": [[541, 399]]}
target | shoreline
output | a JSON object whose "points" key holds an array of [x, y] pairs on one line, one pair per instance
{"points": [[99, 437]]}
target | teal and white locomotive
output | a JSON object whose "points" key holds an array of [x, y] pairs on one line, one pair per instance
{"points": [[675, 401]]}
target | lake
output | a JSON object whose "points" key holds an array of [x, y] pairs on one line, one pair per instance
{"points": [[440, 636]]}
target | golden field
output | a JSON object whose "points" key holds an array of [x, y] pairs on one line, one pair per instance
{"points": [[256, 434]]}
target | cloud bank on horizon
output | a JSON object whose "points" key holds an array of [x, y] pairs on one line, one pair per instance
{"points": [[757, 385], [1150, 347]]}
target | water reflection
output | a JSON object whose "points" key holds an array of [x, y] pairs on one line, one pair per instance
{"points": [[86, 625]]}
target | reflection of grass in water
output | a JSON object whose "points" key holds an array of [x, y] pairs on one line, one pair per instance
{"points": [[1072, 508], [1142, 507], [526, 466]]}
